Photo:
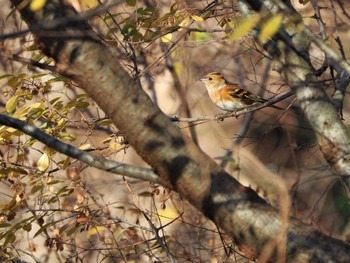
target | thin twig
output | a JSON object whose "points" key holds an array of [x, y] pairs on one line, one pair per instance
{"points": [[221, 117]]}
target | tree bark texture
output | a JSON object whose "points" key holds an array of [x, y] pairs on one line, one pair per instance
{"points": [[290, 50]]}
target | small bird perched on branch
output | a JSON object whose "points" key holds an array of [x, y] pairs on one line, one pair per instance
{"points": [[228, 96]]}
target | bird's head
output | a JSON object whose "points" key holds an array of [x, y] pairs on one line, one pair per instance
{"points": [[214, 80]]}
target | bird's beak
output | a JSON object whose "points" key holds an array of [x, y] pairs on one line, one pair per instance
{"points": [[202, 79]]}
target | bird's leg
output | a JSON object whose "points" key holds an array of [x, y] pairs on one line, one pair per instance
{"points": [[220, 117], [234, 112]]}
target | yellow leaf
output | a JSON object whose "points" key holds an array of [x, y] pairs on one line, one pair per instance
{"points": [[36, 5], [61, 122], [36, 105], [185, 23], [245, 25], [197, 18], [66, 163], [270, 28], [85, 147], [178, 68], [21, 112], [167, 38], [89, 3], [167, 215], [65, 136], [11, 104], [200, 36], [43, 162], [12, 130], [107, 140], [104, 122], [114, 146], [95, 230]]}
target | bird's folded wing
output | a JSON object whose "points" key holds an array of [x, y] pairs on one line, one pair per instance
{"points": [[246, 96]]}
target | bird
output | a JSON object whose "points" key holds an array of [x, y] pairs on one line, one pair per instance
{"points": [[228, 96]]}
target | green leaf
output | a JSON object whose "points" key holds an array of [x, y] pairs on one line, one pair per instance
{"points": [[22, 75], [9, 239], [19, 170], [72, 231], [82, 104], [38, 75], [12, 11], [13, 82], [37, 57], [104, 122], [67, 136], [27, 227], [244, 27], [11, 104], [131, 2], [53, 101], [57, 79], [21, 112], [197, 18], [270, 28], [6, 76], [5, 225], [42, 229], [200, 36], [36, 188]]}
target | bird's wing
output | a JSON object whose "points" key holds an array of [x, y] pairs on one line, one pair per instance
{"points": [[246, 96]]}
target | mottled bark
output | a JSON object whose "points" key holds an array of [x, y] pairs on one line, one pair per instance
{"points": [[289, 49]]}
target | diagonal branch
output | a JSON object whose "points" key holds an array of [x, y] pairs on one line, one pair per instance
{"points": [[96, 161], [246, 217]]}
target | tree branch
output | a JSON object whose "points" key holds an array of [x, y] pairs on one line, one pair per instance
{"points": [[333, 137], [247, 218], [96, 161]]}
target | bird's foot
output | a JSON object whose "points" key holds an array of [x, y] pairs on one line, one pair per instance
{"points": [[219, 117]]}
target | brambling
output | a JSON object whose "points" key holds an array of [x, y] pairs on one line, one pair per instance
{"points": [[228, 96]]}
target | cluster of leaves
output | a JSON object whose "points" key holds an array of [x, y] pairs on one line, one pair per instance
{"points": [[37, 176], [28, 100], [146, 24]]}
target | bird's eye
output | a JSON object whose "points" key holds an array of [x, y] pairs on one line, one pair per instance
{"points": [[210, 78]]}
